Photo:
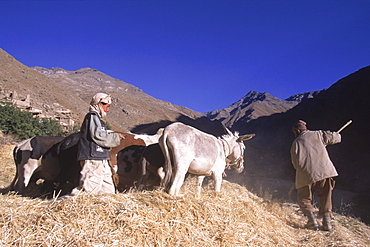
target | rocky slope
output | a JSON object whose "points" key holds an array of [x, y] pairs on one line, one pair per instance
{"points": [[133, 110], [303, 96], [252, 106]]}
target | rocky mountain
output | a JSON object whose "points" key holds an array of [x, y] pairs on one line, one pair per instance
{"points": [[303, 96], [56, 89], [252, 106]]}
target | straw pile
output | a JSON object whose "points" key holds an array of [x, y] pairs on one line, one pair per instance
{"points": [[234, 217]]}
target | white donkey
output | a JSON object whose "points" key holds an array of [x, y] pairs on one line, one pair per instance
{"points": [[187, 149]]}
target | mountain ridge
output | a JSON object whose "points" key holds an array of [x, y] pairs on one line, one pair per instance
{"points": [[252, 106]]}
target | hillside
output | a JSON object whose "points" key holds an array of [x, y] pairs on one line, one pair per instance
{"points": [[268, 153], [234, 217], [55, 88]]}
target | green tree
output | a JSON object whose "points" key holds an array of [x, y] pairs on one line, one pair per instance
{"points": [[24, 125]]}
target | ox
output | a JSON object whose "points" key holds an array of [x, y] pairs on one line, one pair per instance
{"points": [[60, 168], [138, 164], [27, 157], [190, 150]]}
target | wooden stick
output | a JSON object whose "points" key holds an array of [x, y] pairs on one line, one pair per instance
{"points": [[344, 126]]}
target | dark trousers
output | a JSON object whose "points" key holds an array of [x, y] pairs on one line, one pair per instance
{"points": [[324, 190]]}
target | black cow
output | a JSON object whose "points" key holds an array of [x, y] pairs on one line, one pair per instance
{"points": [[60, 169], [127, 166], [137, 165], [151, 163]]}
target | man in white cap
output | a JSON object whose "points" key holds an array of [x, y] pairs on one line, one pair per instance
{"points": [[93, 153]]}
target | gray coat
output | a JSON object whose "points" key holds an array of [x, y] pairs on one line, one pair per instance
{"points": [[95, 140], [310, 157]]}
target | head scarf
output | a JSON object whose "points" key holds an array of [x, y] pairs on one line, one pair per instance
{"points": [[100, 98]]}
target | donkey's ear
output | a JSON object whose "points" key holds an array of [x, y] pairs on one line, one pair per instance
{"points": [[227, 130], [245, 137]]}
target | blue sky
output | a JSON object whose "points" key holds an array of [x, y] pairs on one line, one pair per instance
{"points": [[201, 54]]}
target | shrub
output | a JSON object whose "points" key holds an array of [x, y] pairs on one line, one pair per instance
{"points": [[24, 125]]}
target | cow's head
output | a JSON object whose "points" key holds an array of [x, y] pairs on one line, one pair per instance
{"points": [[235, 155]]}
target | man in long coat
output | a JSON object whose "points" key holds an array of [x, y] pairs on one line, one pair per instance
{"points": [[314, 169]]}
